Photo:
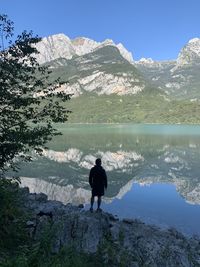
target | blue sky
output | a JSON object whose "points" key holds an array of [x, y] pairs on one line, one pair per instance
{"points": [[148, 28]]}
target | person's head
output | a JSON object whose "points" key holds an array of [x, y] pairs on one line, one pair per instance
{"points": [[98, 162]]}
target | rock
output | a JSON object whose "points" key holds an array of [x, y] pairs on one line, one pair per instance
{"points": [[42, 213], [25, 190], [30, 224], [189, 53], [81, 206], [129, 241], [176, 233], [41, 197], [113, 218], [129, 221], [32, 196]]}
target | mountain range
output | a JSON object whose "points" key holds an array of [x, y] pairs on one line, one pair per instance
{"points": [[106, 69]]}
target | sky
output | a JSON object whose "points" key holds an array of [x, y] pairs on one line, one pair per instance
{"points": [[148, 28]]}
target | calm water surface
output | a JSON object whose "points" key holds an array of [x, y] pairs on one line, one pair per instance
{"points": [[153, 171]]}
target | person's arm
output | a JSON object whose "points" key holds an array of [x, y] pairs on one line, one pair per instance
{"points": [[91, 178], [105, 180]]}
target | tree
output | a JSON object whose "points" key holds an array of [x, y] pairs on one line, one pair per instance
{"points": [[29, 102]]}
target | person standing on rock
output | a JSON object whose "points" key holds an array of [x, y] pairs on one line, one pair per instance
{"points": [[98, 182]]}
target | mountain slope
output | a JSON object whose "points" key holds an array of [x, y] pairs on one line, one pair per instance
{"points": [[104, 71]]}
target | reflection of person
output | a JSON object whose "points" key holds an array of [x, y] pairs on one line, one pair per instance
{"points": [[98, 182]]}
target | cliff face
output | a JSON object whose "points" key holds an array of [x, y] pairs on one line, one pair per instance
{"points": [[102, 71], [189, 54], [129, 241], [61, 46]]}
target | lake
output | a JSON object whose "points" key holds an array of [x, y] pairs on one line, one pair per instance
{"points": [[153, 171]]}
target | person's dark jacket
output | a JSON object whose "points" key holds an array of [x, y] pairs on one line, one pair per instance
{"points": [[98, 180]]}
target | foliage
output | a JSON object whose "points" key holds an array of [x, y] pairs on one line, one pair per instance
{"points": [[18, 249], [12, 216], [67, 257], [149, 106], [29, 102]]}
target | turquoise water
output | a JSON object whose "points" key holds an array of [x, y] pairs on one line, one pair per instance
{"points": [[153, 170]]}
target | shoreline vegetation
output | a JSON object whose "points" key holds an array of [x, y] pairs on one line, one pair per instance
{"points": [[130, 123], [144, 107], [55, 234]]}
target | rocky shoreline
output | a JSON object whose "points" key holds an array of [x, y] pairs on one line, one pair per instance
{"points": [[129, 241]]}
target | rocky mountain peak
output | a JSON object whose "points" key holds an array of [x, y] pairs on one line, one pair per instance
{"points": [[54, 46], [125, 53], [61, 46], [145, 61], [149, 63], [194, 40], [189, 54], [194, 46], [108, 42], [84, 45]]}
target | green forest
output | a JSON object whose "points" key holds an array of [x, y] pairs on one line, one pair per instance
{"points": [[144, 107]]}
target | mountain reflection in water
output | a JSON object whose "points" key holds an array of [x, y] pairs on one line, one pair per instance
{"points": [[132, 155]]}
